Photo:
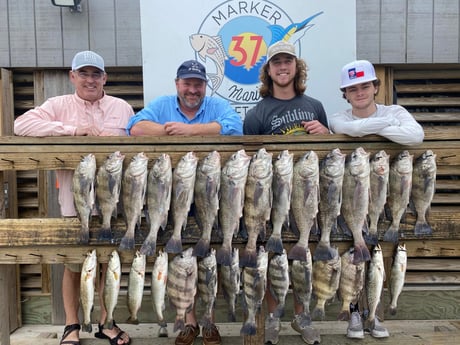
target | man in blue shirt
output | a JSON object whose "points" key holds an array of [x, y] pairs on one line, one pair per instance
{"points": [[190, 112]]}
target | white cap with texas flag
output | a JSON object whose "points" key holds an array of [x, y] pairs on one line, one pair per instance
{"points": [[357, 72]]}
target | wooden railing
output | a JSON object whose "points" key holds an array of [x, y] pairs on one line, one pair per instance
{"points": [[55, 240]]}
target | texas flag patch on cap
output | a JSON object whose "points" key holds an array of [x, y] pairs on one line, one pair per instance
{"points": [[353, 74]]}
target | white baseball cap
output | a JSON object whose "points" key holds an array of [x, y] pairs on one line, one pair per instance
{"points": [[87, 58], [357, 72]]}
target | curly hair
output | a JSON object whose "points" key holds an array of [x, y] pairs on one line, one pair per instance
{"points": [[266, 89]]}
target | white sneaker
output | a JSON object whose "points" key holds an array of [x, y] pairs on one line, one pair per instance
{"points": [[378, 331], [355, 326], [272, 329]]}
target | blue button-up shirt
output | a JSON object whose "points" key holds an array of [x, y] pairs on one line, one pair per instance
{"points": [[213, 109]]}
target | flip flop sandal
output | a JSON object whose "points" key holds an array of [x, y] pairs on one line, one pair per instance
{"points": [[114, 340], [67, 330]]}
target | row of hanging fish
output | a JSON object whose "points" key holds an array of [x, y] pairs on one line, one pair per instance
{"points": [[306, 196]]}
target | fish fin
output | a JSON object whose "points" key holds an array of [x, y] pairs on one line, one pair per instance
{"points": [[132, 321], [275, 244], [201, 249], [422, 228], [148, 247], [127, 243], [391, 235], [344, 315], [179, 325], [173, 246], [298, 252], [87, 327], [371, 238], [248, 328], [105, 234], [224, 256], [361, 254], [249, 259], [324, 252]]}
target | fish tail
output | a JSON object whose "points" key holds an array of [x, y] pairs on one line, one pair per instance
{"points": [[133, 320], [324, 252], [344, 315], [391, 235], [231, 316], [87, 327], [148, 248], [163, 331], [249, 259], [108, 324], [318, 313], [275, 244], [371, 238], [392, 310], [422, 228], [249, 328], [105, 234], [361, 254], [179, 325], [201, 248], [173, 246], [279, 311], [298, 252], [224, 256], [84, 235], [127, 243]]}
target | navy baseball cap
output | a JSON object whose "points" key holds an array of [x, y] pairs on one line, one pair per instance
{"points": [[191, 69]]}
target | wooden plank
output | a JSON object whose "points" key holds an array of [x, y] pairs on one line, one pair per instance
{"points": [[437, 117], [102, 29], [57, 306], [450, 278], [432, 264], [426, 72], [393, 40], [428, 88], [48, 35], [419, 31], [21, 19], [368, 30], [446, 31], [128, 33], [5, 299], [432, 101]]}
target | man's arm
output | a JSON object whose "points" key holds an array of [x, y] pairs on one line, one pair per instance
{"points": [[147, 128]]}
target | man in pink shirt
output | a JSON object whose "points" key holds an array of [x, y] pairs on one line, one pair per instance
{"points": [[89, 111]]}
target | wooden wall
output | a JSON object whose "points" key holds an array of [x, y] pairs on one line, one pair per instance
{"points": [[33, 33]]}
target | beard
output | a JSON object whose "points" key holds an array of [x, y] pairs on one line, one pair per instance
{"points": [[189, 104]]}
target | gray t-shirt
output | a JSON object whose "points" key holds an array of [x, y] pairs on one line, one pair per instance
{"points": [[276, 116]]}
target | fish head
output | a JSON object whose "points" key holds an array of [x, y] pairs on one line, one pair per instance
{"points": [[380, 163], [161, 165], [403, 163], [334, 163], [87, 165], [114, 162], [426, 162], [210, 164], [284, 163], [358, 162], [261, 165], [138, 164], [237, 165], [186, 167], [308, 164]]}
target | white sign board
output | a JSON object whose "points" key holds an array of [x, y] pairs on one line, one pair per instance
{"points": [[231, 38]]}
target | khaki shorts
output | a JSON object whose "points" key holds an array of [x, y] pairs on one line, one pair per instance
{"points": [[73, 267]]}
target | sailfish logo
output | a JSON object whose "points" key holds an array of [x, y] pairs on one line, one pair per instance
{"points": [[293, 32], [211, 47]]}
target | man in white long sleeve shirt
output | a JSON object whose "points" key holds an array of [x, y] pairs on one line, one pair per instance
{"points": [[359, 87]]}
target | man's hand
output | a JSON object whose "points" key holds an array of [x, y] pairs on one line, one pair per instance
{"points": [[178, 128], [314, 127]]}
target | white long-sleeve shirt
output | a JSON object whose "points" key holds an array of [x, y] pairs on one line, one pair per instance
{"points": [[390, 121]]}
